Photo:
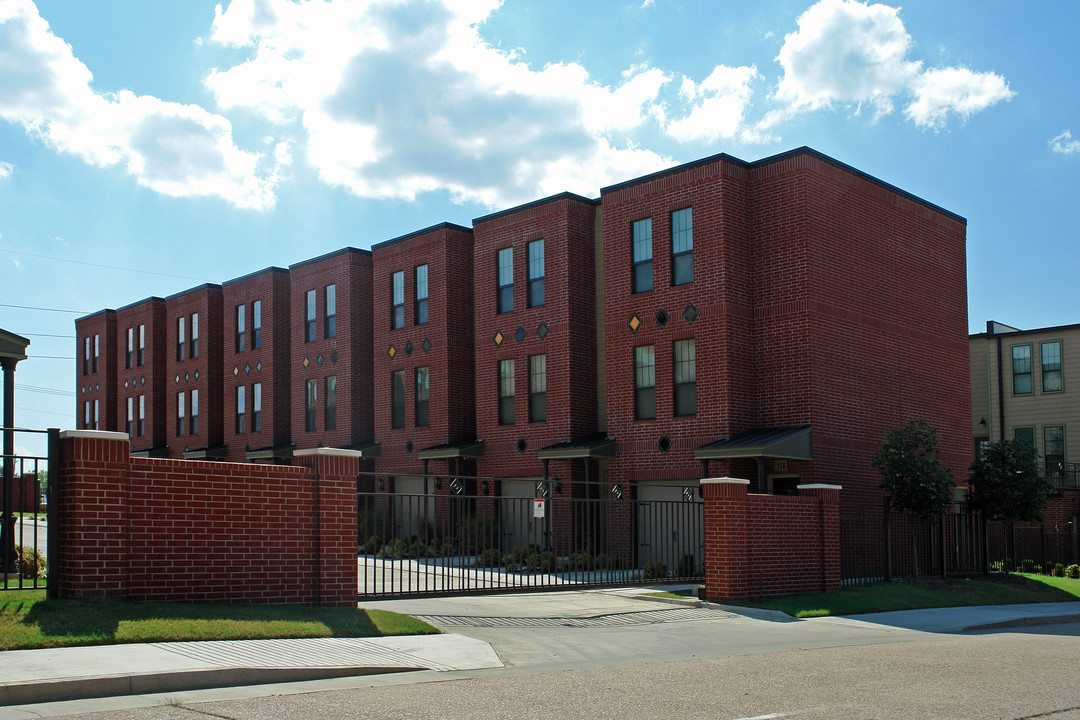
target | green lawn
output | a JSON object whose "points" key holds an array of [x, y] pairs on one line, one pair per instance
{"points": [[1002, 590], [28, 620]]}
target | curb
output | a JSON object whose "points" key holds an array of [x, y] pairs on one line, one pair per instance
{"points": [[148, 683], [1026, 621]]}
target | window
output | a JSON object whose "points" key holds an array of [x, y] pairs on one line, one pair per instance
{"points": [[97, 351], [193, 424], [330, 418], [256, 407], [1054, 447], [241, 408], [97, 414], [129, 352], [537, 388], [86, 357], [256, 325], [682, 246], [642, 278], [86, 414], [330, 323], [180, 400], [142, 415], [397, 312], [421, 311], [1021, 361], [180, 334], [506, 392], [685, 378], [397, 399], [241, 328], [309, 327], [422, 393], [195, 335], [536, 273], [644, 382], [505, 299], [141, 357], [1025, 434], [1051, 366], [129, 421], [312, 397]]}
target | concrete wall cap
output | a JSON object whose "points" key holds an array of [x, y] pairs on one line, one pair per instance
{"points": [[817, 486], [328, 452], [725, 480], [93, 435]]}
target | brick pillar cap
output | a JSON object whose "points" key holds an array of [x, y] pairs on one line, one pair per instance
{"points": [[93, 435], [817, 486], [725, 480], [326, 452]]}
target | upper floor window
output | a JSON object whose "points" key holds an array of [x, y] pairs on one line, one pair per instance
{"points": [[397, 311], [142, 415], [141, 357], [505, 298], [181, 399], [1051, 367], [537, 388], [86, 360], [195, 335], [330, 414], [642, 279], [330, 324], [129, 351], [97, 351], [422, 393], [309, 326], [421, 310], [129, 422], [241, 409], [97, 415], [685, 378], [1025, 434], [256, 407], [194, 419], [256, 325], [645, 382], [536, 273], [181, 337], [1021, 365], [506, 392], [1054, 447], [311, 399], [682, 246], [86, 416], [397, 399], [241, 328]]}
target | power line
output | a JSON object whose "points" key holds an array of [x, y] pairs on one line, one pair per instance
{"points": [[99, 265], [45, 390], [28, 307], [43, 412], [69, 337], [50, 357]]}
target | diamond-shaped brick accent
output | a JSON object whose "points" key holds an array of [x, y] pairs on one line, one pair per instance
{"points": [[319, 359], [664, 444], [333, 356], [520, 334], [409, 446], [247, 369], [392, 351], [635, 323], [306, 362], [542, 330], [408, 348], [196, 374], [690, 314], [258, 366], [177, 378], [662, 317], [522, 445], [499, 337], [426, 346]]}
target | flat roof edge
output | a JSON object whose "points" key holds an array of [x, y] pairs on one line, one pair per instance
{"points": [[417, 233]]}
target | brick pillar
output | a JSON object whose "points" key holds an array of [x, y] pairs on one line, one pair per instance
{"points": [[726, 538], [335, 478], [93, 514], [829, 496]]}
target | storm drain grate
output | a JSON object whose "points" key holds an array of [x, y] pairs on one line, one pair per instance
{"points": [[646, 617]]}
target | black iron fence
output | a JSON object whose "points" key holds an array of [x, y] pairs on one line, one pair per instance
{"points": [[28, 511], [427, 535]]}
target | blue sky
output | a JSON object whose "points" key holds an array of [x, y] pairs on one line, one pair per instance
{"points": [[149, 147]]}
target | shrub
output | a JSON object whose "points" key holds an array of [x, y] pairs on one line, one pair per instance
{"points": [[1073, 571], [686, 566], [31, 563], [1059, 570], [489, 558], [1028, 565], [655, 571], [578, 561]]}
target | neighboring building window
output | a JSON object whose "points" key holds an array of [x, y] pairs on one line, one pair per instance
{"points": [[141, 357], [1054, 448], [241, 328], [194, 421], [421, 295], [682, 246], [97, 351], [397, 399], [256, 325], [537, 388], [536, 273], [181, 399], [397, 311], [330, 323], [241, 408], [1025, 434], [142, 415], [181, 334], [309, 327], [195, 335], [644, 382], [129, 352], [1051, 366], [506, 392], [256, 407], [505, 299], [86, 413], [1021, 361], [981, 443], [86, 360], [310, 404], [129, 424], [685, 378], [642, 279], [422, 394], [331, 403], [97, 414]]}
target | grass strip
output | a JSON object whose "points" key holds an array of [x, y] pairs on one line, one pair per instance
{"points": [[29, 620]]}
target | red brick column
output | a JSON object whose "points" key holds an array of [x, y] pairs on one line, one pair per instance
{"points": [[335, 478], [726, 538], [93, 522], [829, 496]]}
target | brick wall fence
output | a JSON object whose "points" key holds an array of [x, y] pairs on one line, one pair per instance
{"points": [[767, 545], [193, 531]]}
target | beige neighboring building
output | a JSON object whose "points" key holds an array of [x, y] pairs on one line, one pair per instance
{"points": [[1026, 384]]}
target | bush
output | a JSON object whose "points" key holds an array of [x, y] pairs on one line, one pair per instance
{"points": [[655, 571], [31, 563], [1059, 570], [1028, 565], [686, 566], [1073, 571], [489, 558]]}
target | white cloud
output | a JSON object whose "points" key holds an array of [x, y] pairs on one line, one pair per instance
{"points": [[849, 53], [718, 106], [6, 169], [178, 150], [1064, 144]]}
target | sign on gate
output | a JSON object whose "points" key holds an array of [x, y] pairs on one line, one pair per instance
{"points": [[538, 508]]}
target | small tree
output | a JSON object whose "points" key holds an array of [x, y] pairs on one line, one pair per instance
{"points": [[1006, 484], [912, 474]]}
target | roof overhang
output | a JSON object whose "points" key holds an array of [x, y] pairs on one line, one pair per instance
{"points": [[445, 451], [369, 449], [215, 453], [12, 346], [154, 452], [794, 442], [277, 452], [596, 447]]}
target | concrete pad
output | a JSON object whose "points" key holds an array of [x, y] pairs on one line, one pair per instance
{"points": [[959, 619]]}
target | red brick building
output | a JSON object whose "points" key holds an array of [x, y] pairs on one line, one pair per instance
{"points": [[141, 363], [95, 371], [194, 421]]}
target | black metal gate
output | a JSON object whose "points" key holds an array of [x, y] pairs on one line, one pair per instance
{"points": [[433, 535], [28, 513]]}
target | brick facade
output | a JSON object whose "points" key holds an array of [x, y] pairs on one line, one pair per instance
{"points": [[144, 382], [193, 364], [95, 371]]}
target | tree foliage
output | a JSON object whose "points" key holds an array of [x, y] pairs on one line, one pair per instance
{"points": [[1006, 483], [911, 470]]}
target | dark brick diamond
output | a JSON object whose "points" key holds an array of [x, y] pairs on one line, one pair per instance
{"points": [[662, 317], [426, 346], [543, 330], [520, 334], [522, 445], [408, 348], [664, 443], [690, 313]]}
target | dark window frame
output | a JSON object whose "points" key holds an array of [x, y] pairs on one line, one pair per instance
{"points": [[256, 324], [241, 328], [641, 274], [142, 415], [181, 418], [330, 404], [1052, 370], [256, 407], [504, 278], [181, 337], [241, 409], [422, 397], [536, 273], [193, 416], [330, 311], [1018, 371], [129, 352], [420, 310], [140, 358], [538, 388], [682, 257], [97, 352], [644, 382], [507, 392], [311, 399], [397, 399], [194, 352], [129, 423], [684, 378], [397, 300], [311, 313]]}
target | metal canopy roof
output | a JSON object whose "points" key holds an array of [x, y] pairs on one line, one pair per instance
{"points": [[794, 442], [444, 451], [12, 345], [593, 447]]}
